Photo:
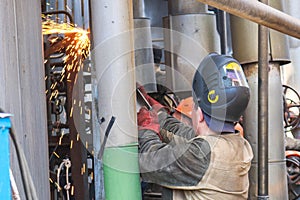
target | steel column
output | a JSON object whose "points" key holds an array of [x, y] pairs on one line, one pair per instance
{"points": [[259, 13]]}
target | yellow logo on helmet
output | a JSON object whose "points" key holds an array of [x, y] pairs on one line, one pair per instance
{"points": [[212, 98]]}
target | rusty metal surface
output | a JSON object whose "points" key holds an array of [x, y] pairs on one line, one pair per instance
{"points": [[259, 13], [263, 108], [245, 40]]}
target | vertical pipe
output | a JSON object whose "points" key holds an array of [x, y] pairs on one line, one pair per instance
{"points": [[263, 94], [291, 72], [138, 9], [179, 7], [78, 15], [113, 59], [190, 33], [144, 66], [223, 31], [246, 51], [144, 61]]}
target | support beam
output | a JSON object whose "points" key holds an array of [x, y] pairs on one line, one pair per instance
{"points": [[259, 13]]}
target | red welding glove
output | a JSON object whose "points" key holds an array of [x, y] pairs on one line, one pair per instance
{"points": [[148, 120], [155, 104]]}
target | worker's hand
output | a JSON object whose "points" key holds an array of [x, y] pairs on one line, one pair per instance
{"points": [[155, 104], [148, 120]]}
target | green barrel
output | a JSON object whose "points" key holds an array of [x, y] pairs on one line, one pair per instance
{"points": [[121, 173]]}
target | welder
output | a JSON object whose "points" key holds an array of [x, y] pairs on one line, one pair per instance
{"points": [[208, 160]]}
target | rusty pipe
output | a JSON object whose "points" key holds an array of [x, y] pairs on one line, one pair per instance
{"points": [[259, 13], [263, 128]]}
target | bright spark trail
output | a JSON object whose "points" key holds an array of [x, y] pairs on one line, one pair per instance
{"points": [[74, 43]]}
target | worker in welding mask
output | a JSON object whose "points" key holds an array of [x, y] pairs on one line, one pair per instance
{"points": [[208, 160]]}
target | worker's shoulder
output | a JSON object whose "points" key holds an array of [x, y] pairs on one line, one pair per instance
{"points": [[223, 139]]}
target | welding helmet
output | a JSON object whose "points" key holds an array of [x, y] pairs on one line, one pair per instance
{"points": [[220, 88]]}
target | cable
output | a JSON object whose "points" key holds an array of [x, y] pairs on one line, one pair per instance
{"points": [[21, 165], [29, 188]]}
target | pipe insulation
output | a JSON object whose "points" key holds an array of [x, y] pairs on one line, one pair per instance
{"points": [[113, 60]]}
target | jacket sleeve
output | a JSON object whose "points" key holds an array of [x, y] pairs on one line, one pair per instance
{"points": [[171, 126], [181, 163]]}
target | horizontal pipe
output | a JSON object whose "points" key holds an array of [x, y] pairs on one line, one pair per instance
{"points": [[259, 13], [56, 12]]}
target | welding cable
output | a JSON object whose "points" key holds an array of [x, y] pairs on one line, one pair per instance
{"points": [[14, 188], [29, 177], [29, 189]]}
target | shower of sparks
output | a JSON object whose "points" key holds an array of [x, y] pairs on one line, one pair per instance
{"points": [[74, 43]]}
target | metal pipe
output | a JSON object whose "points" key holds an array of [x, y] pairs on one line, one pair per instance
{"points": [[263, 94], [181, 7], [138, 9], [144, 66], [223, 30], [113, 59], [291, 72], [259, 13], [191, 33], [57, 12]]}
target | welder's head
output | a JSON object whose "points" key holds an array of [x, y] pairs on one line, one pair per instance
{"points": [[221, 90]]}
